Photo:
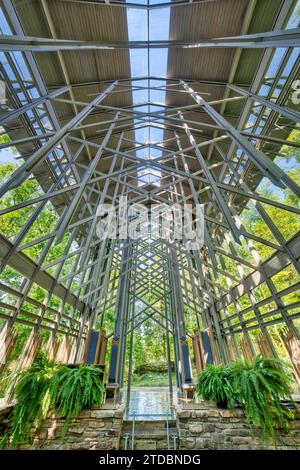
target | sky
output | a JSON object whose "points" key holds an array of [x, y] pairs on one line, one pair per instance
{"points": [[150, 25]]}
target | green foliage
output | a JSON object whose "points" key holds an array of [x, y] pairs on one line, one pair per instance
{"points": [[4, 138], [23, 334], [215, 383], [153, 367], [72, 390], [152, 379], [33, 398], [287, 222], [12, 222], [260, 386], [47, 386], [292, 152]]}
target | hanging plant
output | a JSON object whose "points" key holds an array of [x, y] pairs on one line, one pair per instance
{"points": [[215, 384], [260, 386], [32, 393], [71, 390], [47, 386]]}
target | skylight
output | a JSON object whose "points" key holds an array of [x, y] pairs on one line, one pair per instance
{"points": [[148, 25]]}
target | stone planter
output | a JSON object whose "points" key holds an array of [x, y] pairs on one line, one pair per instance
{"points": [[205, 426]]}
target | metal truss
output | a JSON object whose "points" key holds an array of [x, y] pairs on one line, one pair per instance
{"points": [[285, 38], [83, 276]]}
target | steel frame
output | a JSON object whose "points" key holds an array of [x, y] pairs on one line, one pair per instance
{"points": [[90, 275]]}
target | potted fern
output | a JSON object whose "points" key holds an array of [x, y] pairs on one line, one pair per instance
{"points": [[260, 387], [72, 390], [32, 400], [215, 384], [47, 386]]}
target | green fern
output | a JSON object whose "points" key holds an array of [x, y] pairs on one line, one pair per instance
{"points": [[33, 399], [47, 386], [74, 389], [215, 383], [260, 386]]}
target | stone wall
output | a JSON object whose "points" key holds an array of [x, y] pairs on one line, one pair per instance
{"points": [[199, 426], [204, 426], [93, 429]]}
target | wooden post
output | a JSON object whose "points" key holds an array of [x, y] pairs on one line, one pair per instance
{"points": [[292, 345], [231, 350], [103, 347], [8, 340], [246, 349], [52, 347], [264, 346], [197, 351], [204, 349], [213, 345]]}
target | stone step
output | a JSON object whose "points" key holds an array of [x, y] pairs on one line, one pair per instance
{"points": [[159, 434], [151, 425], [148, 435], [148, 441]]}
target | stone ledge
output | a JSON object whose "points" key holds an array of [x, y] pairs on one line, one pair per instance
{"points": [[93, 429], [209, 427]]}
